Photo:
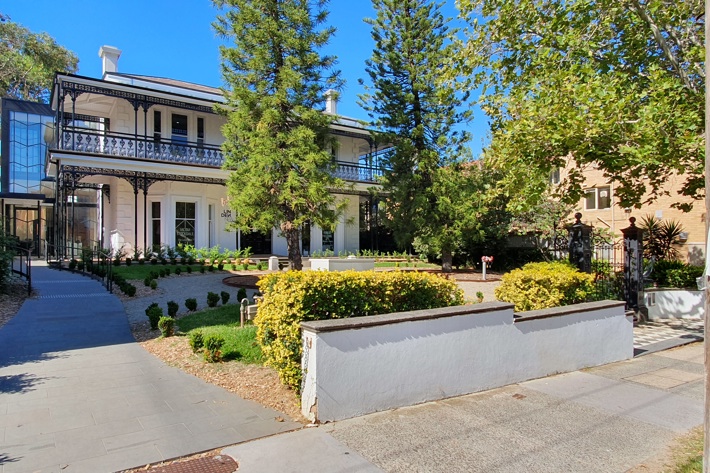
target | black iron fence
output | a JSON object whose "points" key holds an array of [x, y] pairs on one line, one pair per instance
{"points": [[617, 265], [22, 265], [89, 262]]}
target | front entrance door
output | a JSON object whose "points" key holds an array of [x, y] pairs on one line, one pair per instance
{"points": [[259, 242], [27, 228]]}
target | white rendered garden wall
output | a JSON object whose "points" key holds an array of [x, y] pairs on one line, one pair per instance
{"points": [[367, 364], [675, 303]]}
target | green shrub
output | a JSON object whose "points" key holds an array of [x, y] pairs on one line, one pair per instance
{"points": [[241, 294], [188, 269], [543, 285], [225, 297], [146, 281], [154, 313], [210, 268], [141, 261], [220, 266], [684, 277], [178, 271], [154, 284], [128, 261], [166, 326], [295, 296], [191, 304], [213, 348], [202, 270], [661, 269], [129, 289], [154, 261], [212, 299], [72, 264], [196, 339], [172, 308]]}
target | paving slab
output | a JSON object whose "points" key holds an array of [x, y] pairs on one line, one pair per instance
{"points": [[78, 394], [594, 420], [305, 450]]}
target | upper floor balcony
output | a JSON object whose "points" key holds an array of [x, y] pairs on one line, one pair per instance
{"points": [[115, 144]]}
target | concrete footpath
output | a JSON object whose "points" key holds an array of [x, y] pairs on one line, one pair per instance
{"points": [[606, 419], [77, 394]]}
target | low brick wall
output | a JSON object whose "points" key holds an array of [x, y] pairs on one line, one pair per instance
{"points": [[367, 364]]}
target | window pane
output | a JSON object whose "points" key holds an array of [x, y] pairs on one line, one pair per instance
{"points": [[590, 199], [189, 209], [155, 209], [604, 197], [179, 128]]}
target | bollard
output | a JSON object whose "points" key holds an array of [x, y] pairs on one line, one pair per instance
{"points": [[485, 260], [243, 312], [484, 270]]}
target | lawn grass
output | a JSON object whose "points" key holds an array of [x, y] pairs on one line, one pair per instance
{"points": [[404, 264], [239, 343], [689, 453], [141, 271]]}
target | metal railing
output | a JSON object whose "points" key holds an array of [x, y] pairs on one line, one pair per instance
{"points": [[93, 263], [22, 265], [357, 172], [125, 145]]}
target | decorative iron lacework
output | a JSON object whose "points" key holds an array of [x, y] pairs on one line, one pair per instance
{"points": [[73, 174], [74, 89], [129, 147]]}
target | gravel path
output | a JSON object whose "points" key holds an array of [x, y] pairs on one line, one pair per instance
{"points": [[179, 288], [470, 288]]}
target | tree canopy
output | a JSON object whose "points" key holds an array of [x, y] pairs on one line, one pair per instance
{"points": [[28, 62], [611, 84], [277, 144], [417, 112]]}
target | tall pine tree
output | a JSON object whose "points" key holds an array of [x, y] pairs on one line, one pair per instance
{"points": [[415, 110], [277, 144]]}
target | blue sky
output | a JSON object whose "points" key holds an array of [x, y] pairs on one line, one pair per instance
{"points": [[175, 39]]}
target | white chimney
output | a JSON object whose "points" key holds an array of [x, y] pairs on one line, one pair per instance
{"points": [[331, 102], [109, 59]]}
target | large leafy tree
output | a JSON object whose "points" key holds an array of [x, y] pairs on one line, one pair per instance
{"points": [[470, 217], [277, 145], [28, 62], [611, 84], [416, 111]]}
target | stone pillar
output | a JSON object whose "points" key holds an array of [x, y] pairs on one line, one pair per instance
{"points": [[580, 244], [273, 263], [633, 269]]}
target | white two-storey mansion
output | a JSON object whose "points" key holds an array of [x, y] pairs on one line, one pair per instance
{"points": [[137, 163]]}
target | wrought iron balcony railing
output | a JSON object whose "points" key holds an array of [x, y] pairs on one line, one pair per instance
{"points": [[123, 145], [357, 172]]}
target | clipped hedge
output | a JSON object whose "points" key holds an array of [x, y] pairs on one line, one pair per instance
{"points": [[295, 296], [544, 285]]}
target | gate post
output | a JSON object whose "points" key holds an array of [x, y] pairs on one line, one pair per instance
{"points": [[580, 244], [633, 269]]}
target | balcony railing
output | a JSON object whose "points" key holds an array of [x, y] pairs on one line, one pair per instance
{"points": [[357, 172], [123, 145]]}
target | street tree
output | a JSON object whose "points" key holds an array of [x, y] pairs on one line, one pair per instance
{"points": [[418, 112], [28, 62], [277, 143], [616, 85], [470, 214]]}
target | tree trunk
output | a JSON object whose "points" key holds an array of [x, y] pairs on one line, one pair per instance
{"points": [[446, 261], [294, 248]]}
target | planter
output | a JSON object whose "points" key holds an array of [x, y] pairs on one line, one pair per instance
{"points": [[675, 303], [342, 264]]}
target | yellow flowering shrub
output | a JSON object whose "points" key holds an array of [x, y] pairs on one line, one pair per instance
{"points": [[544, 285], [296, 296]]}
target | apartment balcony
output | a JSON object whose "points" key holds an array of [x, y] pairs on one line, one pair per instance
{"points": [[124, 145], [127, 146]]}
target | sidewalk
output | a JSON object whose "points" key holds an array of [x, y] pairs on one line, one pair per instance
{"points": [[606, 419], [77, 394]]}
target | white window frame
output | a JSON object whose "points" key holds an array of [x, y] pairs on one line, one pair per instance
{"points": [[597, 191]]}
